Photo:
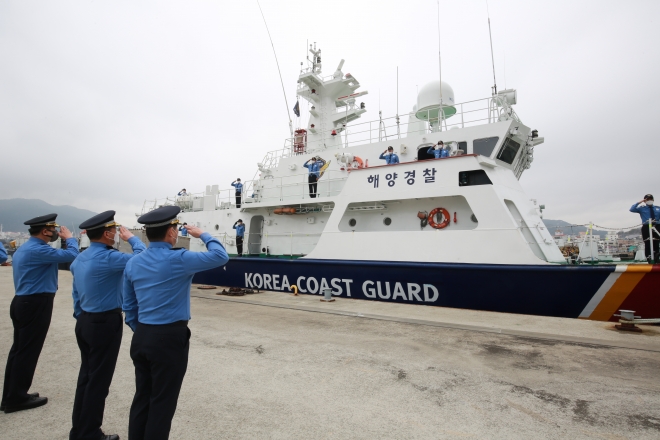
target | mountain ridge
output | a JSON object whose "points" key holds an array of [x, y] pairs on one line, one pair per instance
{"points": [[13, 212]]}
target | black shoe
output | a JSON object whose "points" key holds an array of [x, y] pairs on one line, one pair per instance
{"points": [[110, 437], [32, 402], [2, 407]]}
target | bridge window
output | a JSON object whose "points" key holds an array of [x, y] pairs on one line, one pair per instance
{"points": [[508, 151], [484, 146]]}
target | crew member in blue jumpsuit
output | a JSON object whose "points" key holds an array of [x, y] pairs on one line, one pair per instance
{"points": [[650, 214], [389, 156], [157, 305], [97, 299], [35, 280], [438, 151], [239, 191], [3, 253], [314, 166], [240, 233]]}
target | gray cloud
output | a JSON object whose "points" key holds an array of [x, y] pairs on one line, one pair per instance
{"points": [[103, 105]]}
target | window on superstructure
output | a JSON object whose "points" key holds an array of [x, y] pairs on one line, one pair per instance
{"points": [[463, 147], [484, 146], [508, 151]]}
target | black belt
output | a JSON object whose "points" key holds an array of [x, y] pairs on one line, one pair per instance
{"points": [[107, 312], [171, 324], [39, 294]]}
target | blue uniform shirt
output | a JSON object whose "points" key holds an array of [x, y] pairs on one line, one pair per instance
{"points": [[389, 158], [314, 167], [97, 277], [439, 153], [238, 186], [645, 213], [157, 281], [240, 230], [35, 265], [184, 232], [3, 254]]}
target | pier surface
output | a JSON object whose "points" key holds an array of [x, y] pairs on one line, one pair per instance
{"points": [[270, 365]]}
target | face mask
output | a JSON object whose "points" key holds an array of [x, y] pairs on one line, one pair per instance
{"points": [[649, 203], [116, 238], [55, 236]]}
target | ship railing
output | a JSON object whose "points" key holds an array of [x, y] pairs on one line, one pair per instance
{"points": [[468, 114], [288, 243]]}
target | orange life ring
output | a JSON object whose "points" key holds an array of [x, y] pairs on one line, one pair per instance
{"points": [[444, 223], [359, 161]]}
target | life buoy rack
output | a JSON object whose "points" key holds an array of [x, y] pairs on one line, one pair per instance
{"points": [[445, 221]]}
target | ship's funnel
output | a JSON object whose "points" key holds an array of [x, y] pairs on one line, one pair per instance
{"points": [[428, 101]]}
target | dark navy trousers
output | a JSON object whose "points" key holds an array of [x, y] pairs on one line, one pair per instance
{"points": [[160, 357], [99, 338], [30, 315]]}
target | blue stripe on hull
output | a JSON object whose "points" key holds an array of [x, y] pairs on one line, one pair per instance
{"points": [[546, 290]]}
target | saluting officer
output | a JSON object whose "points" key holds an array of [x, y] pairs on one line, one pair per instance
{"points": [[97, 280], [157, 305], [35, 280], [3, 253]]}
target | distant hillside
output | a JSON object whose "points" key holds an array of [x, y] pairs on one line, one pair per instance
{"points": [[13, 212], [563, 226]]}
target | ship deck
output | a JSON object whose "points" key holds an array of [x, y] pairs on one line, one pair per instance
{"points": [[271, 365]]}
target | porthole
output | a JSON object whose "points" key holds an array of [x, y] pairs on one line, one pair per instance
{"points": [[474, 218], [387, 221], [217, 227], [352, 222]]}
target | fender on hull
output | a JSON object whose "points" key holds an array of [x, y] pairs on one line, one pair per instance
{"points": [[591, 292]]}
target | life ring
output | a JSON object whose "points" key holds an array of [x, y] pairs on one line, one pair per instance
{"points": [[359, 161], [444, 223]]}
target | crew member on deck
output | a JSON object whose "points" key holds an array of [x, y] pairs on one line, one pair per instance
{"points": [[157, 306], [3, 253], [239, 191], [97, 277], [389, 156], [240, 232], [650, 214], [183, 192], [314, 166], [183, 230], [35, 280], [438, 151]]}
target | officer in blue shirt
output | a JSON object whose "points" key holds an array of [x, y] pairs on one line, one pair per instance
{"points": [[240, 233], [157, 305], [438, 151], [314, 166], [239, 191], [97, 299], [3, 253], [390, 158], [650, 214], [35, 280]]}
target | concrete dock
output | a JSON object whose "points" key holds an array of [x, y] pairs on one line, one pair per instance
{"points": [[274, 366]]}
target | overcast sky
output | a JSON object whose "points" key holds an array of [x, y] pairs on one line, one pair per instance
{"points": [[106, 104]]}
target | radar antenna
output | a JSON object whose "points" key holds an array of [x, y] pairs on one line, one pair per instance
{"points": [[286, 102]]}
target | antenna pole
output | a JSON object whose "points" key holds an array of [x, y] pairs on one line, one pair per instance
{"points": [[398, 131], [492, 57], [440, 109], [286, 102]]}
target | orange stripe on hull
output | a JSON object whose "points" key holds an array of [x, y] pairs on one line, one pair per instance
{"points": [[618, 293]]}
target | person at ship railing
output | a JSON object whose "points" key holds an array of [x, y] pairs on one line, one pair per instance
{"points": [[3, 253], [650, 214], [314, 166], [389, 156], [183, 230], [239, 191], [156, 293], [439, 151], [240, 233], [183, 192]]}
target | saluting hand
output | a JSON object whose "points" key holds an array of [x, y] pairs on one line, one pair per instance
{"points": [[124, 233], [65, 233], [194, 231]]}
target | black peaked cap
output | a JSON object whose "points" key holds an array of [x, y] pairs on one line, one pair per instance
{"points": [[160, 216], [99, 220], [42, 220]]}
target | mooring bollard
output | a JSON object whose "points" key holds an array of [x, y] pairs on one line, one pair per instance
{"points": [[327, 295]]}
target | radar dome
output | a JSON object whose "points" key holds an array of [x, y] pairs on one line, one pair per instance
{"points": [[428, 101]]}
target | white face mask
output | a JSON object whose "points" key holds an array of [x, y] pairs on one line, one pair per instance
{"points": [[649, 203]]}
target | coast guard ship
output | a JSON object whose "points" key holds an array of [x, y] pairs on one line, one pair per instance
{"points": [[458, 231]]}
